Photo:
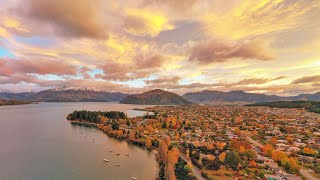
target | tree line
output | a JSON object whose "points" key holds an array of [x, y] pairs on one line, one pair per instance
{"points": [[95, 116]]}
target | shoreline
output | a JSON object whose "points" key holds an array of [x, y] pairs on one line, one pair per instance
{"points": [[153, 150]]}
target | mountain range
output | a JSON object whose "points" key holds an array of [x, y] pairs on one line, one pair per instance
{"points": [[218, 97], [67, 95], [153, 97]]}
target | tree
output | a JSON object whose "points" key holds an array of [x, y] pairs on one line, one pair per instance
{"points": [[268, 149], [188, 153], [252, 163], [289, 139], [222, 156], [164, 125], [291, 165], [163, 151], [132, 135], [232, 159], [148, 143], [273, 141], [308, 151], [237, 132], [278, 156]]}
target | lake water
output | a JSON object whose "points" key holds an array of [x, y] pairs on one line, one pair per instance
{"points": [[38, 143]]}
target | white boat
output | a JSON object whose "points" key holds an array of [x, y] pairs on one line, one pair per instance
{"points": [[133, 178], [110, 151], [118, 164], [106, 160], [127, 154], [118, 154]]}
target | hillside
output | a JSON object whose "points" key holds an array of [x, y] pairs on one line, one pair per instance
{"points": [[312, 106], [241, 97], [67, 95], [155, 97], [4, 102]]}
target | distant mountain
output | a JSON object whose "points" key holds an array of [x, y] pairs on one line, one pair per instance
{"points": [[311, 97], [18, 96], [218, 97], [67, 95], [155, 97], [312, 106]]}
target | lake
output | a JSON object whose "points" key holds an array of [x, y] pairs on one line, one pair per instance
{"points": [[38, 143]]}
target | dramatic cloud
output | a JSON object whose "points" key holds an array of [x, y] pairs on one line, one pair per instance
{"points": [[142, 66], [141, 22], [257, 80], [75, 18], [40, 66], [254, 18], [264, 46], [307, 79], [218, 51], [164, 80]]}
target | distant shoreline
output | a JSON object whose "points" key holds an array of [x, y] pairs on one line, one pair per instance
{"points": [[4, 102]]}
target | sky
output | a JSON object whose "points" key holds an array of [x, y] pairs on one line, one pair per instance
{"points": [[260, 46]]}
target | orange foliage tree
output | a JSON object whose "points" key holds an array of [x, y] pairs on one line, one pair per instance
{"points": [[268, 149]]}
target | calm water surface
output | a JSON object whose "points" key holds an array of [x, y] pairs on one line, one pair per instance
{"points": [[38, 143]]}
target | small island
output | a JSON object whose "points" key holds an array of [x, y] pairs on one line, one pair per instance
{"points": [[4, 102]]}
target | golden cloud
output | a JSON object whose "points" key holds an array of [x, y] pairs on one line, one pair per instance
{"points": [[220, 51], [260, 17], [74, 18], [142, 22]]}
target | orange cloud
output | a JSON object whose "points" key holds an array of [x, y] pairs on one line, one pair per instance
{"points": [[307, 79], [141, 22], [11, 66], [220, 51], [74, 18]]}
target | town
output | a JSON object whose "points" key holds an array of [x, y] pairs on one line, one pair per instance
{"points": [[225, 142]]}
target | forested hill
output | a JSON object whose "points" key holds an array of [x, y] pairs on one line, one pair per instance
{"points": [[312, 106], [95, 116]]}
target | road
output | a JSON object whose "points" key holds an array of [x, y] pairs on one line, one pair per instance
{"points": [[306, 173], [254, 142], [195, 170]]}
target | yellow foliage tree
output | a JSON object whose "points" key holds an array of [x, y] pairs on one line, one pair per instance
{"points": [[278, 156], [148, 143], [222, 156]]}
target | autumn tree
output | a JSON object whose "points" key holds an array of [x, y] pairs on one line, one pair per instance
{"points": [[273, 141], [132, 135], [308, 151], [163, 151], [252, 163], [290, 164], [148, 143], [268, 149], [222, 156], [289, 139], [278, 156]]}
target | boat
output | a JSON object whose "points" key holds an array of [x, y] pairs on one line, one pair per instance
{"points": [[118, 164], [110, 151], [133, 178], [127, 154], [118, 154], [106, 160]]}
